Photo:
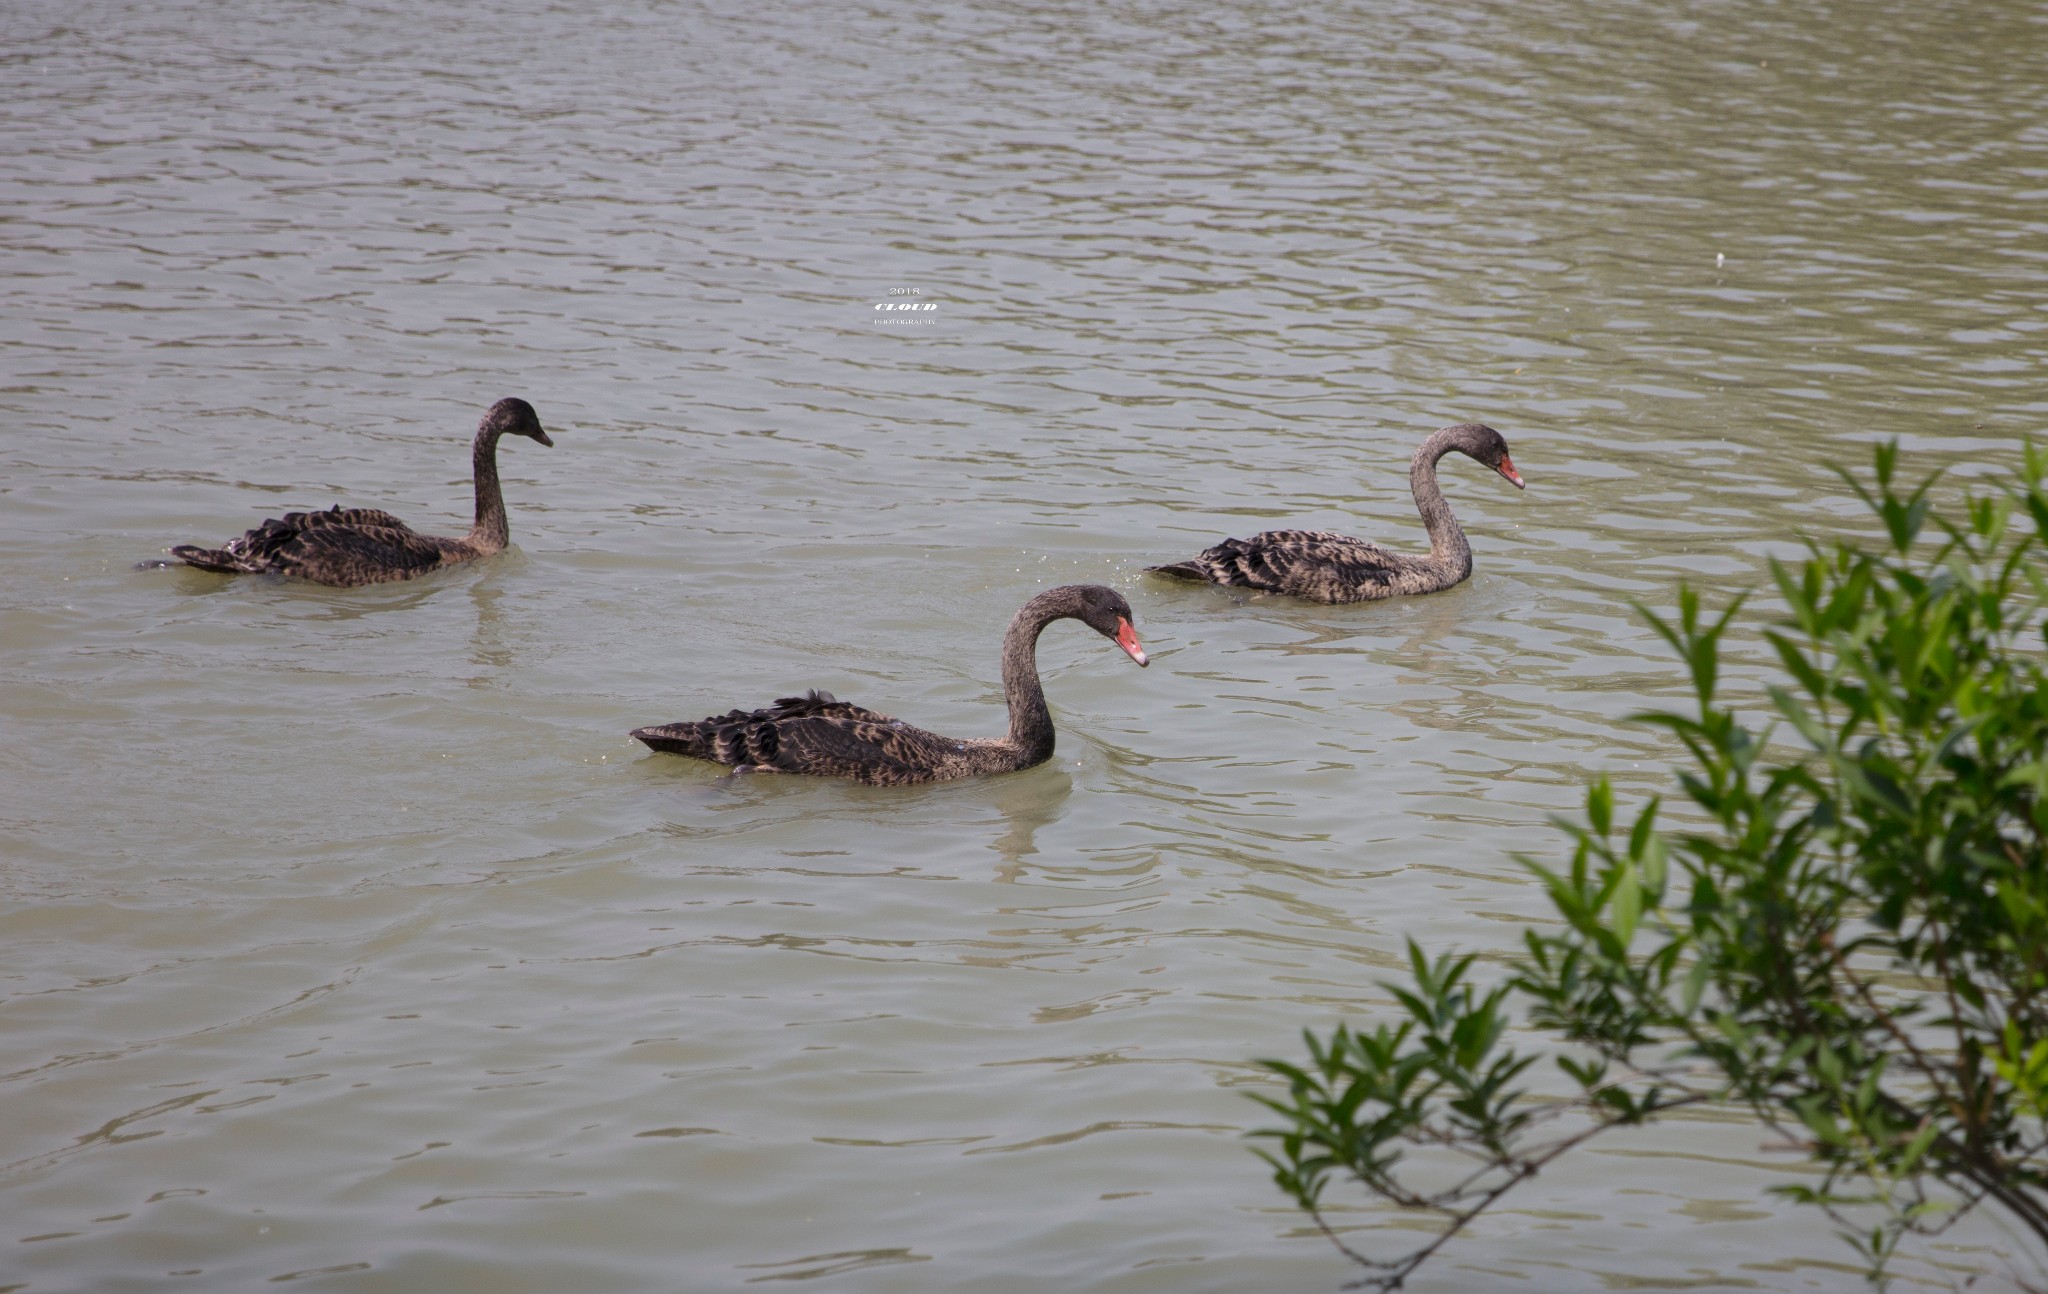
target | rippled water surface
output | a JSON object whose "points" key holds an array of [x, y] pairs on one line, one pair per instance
{"points": [[346, 938]]}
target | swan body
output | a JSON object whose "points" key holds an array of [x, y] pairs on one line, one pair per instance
{"points": [[819, 735], [355, 546], [1324, 566]]}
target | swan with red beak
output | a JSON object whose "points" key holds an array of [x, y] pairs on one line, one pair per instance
{"points": [[1325, 566], [821, 735]]}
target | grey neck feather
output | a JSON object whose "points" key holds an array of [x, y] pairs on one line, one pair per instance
{"points": [[1447, 544], [490, 532], [1030, 720]]}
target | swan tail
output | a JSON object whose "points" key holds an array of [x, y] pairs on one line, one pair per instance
{"points": [[678, 739], [1188, 570], [212, 559]]}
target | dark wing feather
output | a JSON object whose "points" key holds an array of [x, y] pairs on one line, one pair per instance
{"points": [[813, 734], [868, 752], [343, 554], [349, 518], [1318, 564], [817, 704], [337, 546]]}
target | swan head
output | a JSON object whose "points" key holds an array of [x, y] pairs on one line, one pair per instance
{"points": [[513, 416], [1106, 612], [1488, 446]]}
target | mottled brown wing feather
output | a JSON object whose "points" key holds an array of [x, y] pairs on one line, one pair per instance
{"points": [[338, 546], [354, 541], [820, 705], [323, 548], [356, 518], [815, 734], [868, 752], [1318, 564]]}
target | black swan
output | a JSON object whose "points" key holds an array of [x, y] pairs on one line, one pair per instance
{"points": [[816, 734], [1324, 566], [351, 546]]}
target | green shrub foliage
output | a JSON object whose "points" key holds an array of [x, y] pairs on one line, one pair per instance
{"points": [[1847, 934]]}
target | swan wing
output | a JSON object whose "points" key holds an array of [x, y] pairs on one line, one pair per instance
{"points": [[815, 734], [348, 518], [341, 546], [856, 748], [1318, 564], [816, 704]]}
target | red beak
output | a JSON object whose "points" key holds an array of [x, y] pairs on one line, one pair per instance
{"points": [[1507, 469], [1127, 638]]}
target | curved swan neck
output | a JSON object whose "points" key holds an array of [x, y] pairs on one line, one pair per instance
{"points": [[1030, 721], [490, 532], [1446, 537]]}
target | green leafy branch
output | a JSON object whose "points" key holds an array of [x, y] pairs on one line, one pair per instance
{"points": [[1849, 939]]}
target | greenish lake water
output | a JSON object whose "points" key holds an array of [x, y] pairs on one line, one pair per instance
{"points": [[344, 936]]}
